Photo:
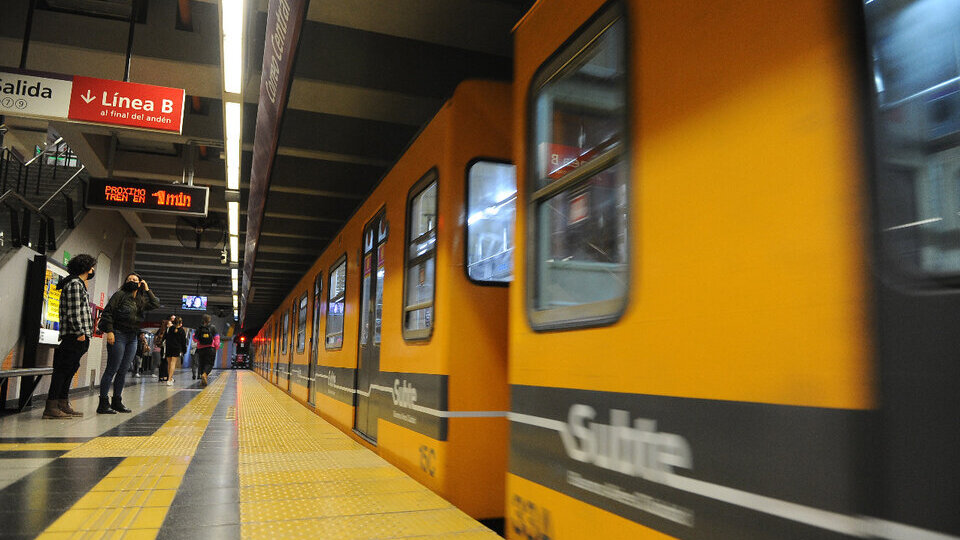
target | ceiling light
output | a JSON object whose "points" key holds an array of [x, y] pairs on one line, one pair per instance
{"points": [[235, 273], [236, 301], [233, 217], [236, 285], [233, 177], [232, 31], [236, 314], [234, 249]]}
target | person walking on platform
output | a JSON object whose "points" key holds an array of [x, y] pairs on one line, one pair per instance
{"points": [[120, 324], [176, 344], [207, 341], [76, 329]]}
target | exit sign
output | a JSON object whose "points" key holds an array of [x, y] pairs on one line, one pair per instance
{"points": [[147, 196]]}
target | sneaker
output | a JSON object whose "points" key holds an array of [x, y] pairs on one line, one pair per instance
{"points": [[137, 375], [170, 382]]}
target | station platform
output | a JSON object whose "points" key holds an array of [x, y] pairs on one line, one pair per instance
{"points": [[237, 459]]}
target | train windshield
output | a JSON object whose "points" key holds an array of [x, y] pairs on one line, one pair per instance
{"points": [[915, 48], [578, 204]]}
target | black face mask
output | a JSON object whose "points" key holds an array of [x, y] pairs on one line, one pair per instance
{"points": [[130, 286], [91, 275]]}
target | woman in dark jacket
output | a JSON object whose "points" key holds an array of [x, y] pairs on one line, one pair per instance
{"points": [[120, 324], [176, 343]]}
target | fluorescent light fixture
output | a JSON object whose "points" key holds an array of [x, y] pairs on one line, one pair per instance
{"points": [[236, 285], [232, 30], [233, 217], [235, 273], [234, 249], [233, 177], [236, 302], [236, 314], [233, 139]]}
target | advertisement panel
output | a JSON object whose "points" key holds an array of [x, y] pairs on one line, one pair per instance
{"points": [[50, 312]]}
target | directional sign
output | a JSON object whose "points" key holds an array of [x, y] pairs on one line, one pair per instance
{"points": [[23, 94], [85, 99], [127, 104]]}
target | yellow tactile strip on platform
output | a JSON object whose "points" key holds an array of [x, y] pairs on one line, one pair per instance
{"points": [[302, 477], [35, 447], [132, 501]]}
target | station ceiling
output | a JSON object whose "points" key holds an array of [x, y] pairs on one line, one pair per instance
{"points": [[368, 75]]}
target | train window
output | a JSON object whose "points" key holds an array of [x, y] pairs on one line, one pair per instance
{"points": [[286, 332], [577, 219], [915, 48], [302, 324], [491, 216], [335, 304], [421, 258]]}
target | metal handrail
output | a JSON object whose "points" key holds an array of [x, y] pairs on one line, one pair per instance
{"points": [[62, 188], [14, 195], [44, 151]]}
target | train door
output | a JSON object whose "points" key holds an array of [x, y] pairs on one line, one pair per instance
{"points": [[314, 341], [289, 336], [915, 81], [371, 310]]}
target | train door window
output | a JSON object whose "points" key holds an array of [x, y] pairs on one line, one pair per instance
{"points": [[915, 46], [317, 297], [491, 217], [335, 304], [578, 211], [286, 332], [302, 324], [421, 258]]}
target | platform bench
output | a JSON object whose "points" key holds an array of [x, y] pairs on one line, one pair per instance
{"points": [[31, 378]]}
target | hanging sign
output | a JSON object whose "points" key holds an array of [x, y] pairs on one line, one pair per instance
{"points": [[127, 104], [147, 196], [24, 94], [284, 22], [90, 100]]}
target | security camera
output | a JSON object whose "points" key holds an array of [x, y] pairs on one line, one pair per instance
{"points": [[223, 257]]}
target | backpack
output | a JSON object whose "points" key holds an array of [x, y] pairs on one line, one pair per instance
{"points": [[205, 335]]}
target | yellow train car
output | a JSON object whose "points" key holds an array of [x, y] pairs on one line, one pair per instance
{"points": [[737, 261], [398, 333]]}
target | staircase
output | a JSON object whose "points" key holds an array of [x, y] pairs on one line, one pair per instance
{"points": [[41, 199]]}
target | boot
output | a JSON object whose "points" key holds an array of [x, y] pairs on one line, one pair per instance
{"points": [[65, 407], [117, 405], [204, 377], [53, 410], [104, 407]]}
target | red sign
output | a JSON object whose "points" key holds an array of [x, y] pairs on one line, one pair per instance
{"points": [[127, 104]]}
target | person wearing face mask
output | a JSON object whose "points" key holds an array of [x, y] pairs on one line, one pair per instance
{"points": [[120, 324], [76, 329]]}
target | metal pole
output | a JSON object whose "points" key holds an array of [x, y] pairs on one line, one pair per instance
{"points": [[26, 35], [134, 4]]}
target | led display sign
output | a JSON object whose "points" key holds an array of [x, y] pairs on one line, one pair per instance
{"points": [[147, 196]]}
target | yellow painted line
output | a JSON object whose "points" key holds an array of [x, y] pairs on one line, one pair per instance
{"points": [[19, 447], [132, 501], [300, 476]]}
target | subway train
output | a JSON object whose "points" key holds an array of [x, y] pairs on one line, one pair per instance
{"points": [[693, 273]]}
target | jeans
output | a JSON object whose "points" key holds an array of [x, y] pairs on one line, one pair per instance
{"points": [[66, 362], [119, 357], [205, 359]]}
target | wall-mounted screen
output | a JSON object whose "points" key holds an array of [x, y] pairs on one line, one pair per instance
{"points": [[147, 196], [50, 313], [198, 303]]}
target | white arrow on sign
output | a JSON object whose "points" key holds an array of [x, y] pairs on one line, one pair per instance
{"points": [[88, 97]]}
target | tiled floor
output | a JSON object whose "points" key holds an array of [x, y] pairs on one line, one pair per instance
{"points": [[238, 459]]}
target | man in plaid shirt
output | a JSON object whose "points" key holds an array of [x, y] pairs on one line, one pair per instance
{"points": [[76, 329]]}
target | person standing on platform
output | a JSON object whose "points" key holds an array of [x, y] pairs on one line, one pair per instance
{"points": [[207, 341], [76, 329], [176, 344], [158, 339], [138, 359], [120, 324]]}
